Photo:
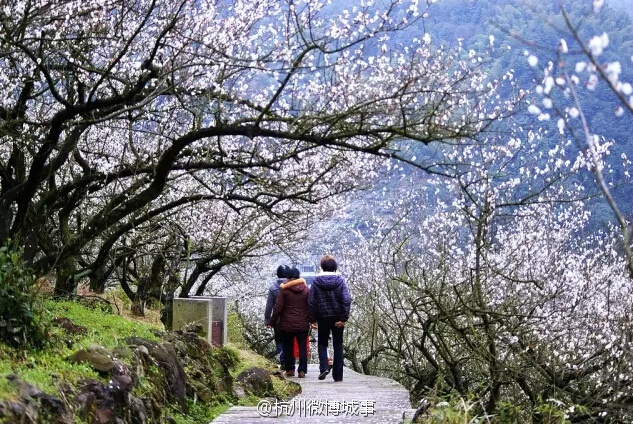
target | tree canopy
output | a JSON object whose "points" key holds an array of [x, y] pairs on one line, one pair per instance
{"points": [[218, 116]]}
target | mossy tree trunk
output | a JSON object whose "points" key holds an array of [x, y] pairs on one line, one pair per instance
{"points": [[148, 284]]}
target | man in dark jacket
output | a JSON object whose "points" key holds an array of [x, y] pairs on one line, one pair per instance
{"points": [[273, 292], [291, 311], [328, 305]]}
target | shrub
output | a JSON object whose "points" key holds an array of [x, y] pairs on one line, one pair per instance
{"points": [[20, 318]]}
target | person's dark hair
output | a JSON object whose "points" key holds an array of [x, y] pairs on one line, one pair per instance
{"points": [[281, 271], [294, 273], [328, 263]]}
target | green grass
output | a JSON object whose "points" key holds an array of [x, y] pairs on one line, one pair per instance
{"points": [[107, 330], [43, 370], [456, 410], [46, 368], [235, 331], [199, 413], [284, 388]]}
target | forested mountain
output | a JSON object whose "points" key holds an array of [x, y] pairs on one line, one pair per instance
{"points": [[518, 28]]}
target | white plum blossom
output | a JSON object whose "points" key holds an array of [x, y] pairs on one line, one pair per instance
{"points": [[598, 43], [562, 46], [532, 60], [597, 5], [549, 84], [534, 110], [613, 68], [592, 82], [547, 103]]}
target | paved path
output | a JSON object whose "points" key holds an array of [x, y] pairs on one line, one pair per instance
{"points": [[357, 399]]}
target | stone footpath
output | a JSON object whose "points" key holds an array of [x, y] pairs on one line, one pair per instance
{"points": [[357, 399]]}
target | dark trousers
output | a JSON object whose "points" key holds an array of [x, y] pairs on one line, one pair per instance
{"points": [[279, 337], [326, 326], [289, 357]]}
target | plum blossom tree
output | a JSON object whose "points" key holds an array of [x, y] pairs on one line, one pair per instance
{"points": [[569, 85], [480, 284], [482, 287], [120, 114]]}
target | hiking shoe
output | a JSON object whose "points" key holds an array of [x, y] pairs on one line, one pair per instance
{"points": [[323, 374], [338, 381], [290, 373], [302, 374]]}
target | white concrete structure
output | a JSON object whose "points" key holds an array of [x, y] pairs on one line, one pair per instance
{"points": [[210, 312]]}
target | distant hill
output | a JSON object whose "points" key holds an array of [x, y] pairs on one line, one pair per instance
{"points": [[535, 22]]}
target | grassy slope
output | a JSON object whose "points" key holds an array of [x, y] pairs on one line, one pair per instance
{"points": [[47, 368]]}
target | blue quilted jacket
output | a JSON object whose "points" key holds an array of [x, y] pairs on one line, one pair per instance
{"points": [[328, 298]]}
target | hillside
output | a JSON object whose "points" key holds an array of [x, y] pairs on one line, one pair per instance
{"points": [[98, 365]]}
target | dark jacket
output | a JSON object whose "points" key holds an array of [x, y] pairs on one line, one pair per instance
{"points": [[291, 309], [273, 291], [329, 298]]}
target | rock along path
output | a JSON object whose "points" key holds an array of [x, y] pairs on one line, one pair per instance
{"points": [[358, 398]]}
